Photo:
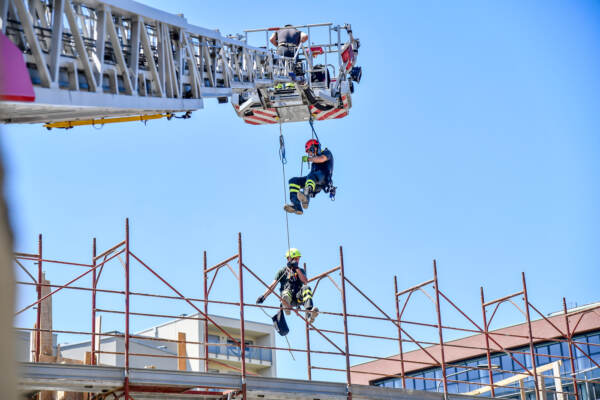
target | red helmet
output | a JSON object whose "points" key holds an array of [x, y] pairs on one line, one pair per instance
{"points": [[312, 143]]}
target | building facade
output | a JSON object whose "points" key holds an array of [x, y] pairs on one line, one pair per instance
{"points": [[467, 364], [223, 355]]}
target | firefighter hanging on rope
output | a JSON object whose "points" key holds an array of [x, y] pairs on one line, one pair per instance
{"points": [[302, 188], [293, 287]]}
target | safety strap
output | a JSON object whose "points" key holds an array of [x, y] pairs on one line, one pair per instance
{"points": [[312, 127], [313, 136]]}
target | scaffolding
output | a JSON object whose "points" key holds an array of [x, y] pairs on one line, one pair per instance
{"points": [[211, 385]]}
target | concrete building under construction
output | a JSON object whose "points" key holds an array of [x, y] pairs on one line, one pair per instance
{"points": [[531, 360]]}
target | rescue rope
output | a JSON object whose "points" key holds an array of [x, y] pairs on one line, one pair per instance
{"points": [[289, 348], [283, 159]]}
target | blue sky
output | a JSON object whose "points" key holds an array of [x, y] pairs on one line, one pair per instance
{"points": [[473, 139]]}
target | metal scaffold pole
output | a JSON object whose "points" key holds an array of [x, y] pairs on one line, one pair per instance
{"points": [[242, 323], [402, 373], [345, 316], [205, 280], [487, 343], [571, 358], [126, 382], [307, 327], [531, 347], [440, 329], [38, 335], [94, 283]]}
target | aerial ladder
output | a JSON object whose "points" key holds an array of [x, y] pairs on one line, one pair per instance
{"points": [[101, 61]]}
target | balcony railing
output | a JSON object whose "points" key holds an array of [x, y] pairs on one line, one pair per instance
{"points": [[233, 351]]}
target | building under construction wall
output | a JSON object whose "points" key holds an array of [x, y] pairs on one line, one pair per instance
{"points": [[201, 355], [166, 347]]}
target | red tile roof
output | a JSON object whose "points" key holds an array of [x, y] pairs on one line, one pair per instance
{"points": [[580, 320]]}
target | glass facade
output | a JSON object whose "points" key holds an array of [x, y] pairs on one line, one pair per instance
{"points": [[470, 371]]}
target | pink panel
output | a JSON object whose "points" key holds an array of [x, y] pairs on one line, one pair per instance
{"points": [[15, 83]]}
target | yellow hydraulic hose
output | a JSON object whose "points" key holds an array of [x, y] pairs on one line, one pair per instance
{"points": [[102, 121]]}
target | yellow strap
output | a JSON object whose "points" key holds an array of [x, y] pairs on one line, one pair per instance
{"points": [[102, 121], [294, 190], [294, 185]]}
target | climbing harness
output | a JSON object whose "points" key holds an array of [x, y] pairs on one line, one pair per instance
{"points": [[285, 336]]}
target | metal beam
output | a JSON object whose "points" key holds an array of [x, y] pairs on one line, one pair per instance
{"points": [[81, 50], [114, 40], [96, 379], [56, 43], [150, 59], [40, 60], [4, 13], [98, 56], [134, 58]]}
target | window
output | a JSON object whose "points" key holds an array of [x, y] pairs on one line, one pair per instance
{"points": [[234, 350], [556, 350], [522, 360], [540, 359], [595, 339], [214, 339], [473, 372], [388, 383], [452, 387], [419, 383], [429, 383], [462, 376], [506, 362]]}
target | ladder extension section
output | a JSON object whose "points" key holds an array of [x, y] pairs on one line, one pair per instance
{"points": [[91, 59]]}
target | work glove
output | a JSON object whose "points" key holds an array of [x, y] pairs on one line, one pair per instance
{"points": [[260, 300], [292, 265], [304, 158]]}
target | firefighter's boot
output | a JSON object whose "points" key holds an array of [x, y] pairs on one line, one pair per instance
{"points": [[294, 207], [304, 196], [312, 314]]}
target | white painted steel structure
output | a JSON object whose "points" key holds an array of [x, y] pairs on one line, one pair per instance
{"points": [[90, 59]]}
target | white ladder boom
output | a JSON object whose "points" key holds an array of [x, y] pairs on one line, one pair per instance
{"points": [[90, 59]]}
